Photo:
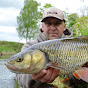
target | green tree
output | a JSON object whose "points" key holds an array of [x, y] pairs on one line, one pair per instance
{"points": [[81, 26], [72, 19], [28, 20], [44, 7]]}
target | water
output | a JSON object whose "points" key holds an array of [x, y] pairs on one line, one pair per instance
{"points": [[6, 77]]}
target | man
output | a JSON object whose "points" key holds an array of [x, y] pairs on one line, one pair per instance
{"points": [[53, 27]]}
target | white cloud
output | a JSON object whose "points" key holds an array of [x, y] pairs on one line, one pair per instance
{"points": [[72, 5], [11, 3], [9, 10], [8, 16], [9, 34]]}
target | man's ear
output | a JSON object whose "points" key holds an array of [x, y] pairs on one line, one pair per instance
{"points": [[64, 27], [43, 26]]}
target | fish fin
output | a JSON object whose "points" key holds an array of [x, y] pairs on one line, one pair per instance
{"points": [[76, 75], [55, 66], [55, 87], [65, 80], [82, 37], [83, 73]]}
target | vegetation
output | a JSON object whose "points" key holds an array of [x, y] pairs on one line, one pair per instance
{"points": [[7, 48], [80, 27], [72, 19], [28, 20]]}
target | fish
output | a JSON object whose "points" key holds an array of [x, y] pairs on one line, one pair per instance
{"points": [[65, 54]]}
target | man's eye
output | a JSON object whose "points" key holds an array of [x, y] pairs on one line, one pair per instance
{"points": [[48, 23], [57, 24], [19, 59]]}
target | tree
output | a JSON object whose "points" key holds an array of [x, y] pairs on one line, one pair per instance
{"points": [[81, 26], [72, 19], [28, 20], [44, 7], [84, 10]]}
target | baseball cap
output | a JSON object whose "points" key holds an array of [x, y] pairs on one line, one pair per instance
{"points": [[53, 12]]}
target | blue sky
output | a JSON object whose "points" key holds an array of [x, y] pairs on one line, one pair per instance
{"points": [[10, 9]]}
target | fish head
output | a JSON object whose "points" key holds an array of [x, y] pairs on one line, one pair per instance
{"points": [[29, 62]]}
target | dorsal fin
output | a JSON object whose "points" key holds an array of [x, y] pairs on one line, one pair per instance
{"points": [[82, 37], [75, 38]]}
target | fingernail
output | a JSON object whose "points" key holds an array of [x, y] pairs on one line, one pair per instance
{"points": [[44, 71]]}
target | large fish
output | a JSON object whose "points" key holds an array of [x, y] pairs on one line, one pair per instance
{"points": [[67, 54]]}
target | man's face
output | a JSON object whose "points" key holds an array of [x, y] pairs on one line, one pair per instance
{"points": [[53, 28]]}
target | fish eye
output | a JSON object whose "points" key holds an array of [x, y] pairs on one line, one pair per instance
{"points": [[19, 59]]}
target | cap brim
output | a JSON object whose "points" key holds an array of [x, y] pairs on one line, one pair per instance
{"points": [[43, 20]]}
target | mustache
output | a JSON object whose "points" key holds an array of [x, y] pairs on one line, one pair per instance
{"points": [[53, 32]]}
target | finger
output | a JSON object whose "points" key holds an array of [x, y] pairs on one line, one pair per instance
{"points": [[54, 75], [47, 77], [39, 75]]}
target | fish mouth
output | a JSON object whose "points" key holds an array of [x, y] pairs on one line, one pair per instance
{"points": [[11, 67]]}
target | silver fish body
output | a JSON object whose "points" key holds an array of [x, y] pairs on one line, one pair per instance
{"points": [[68, 54]]}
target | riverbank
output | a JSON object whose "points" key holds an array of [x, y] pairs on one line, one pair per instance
{"points": [[9, 48]]}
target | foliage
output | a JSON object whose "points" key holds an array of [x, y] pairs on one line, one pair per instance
{"points": [[47, 5], [81, 26], [28, 20], [16, 86], [44, 7], [84, 10], [10, 47], [72, 19]]}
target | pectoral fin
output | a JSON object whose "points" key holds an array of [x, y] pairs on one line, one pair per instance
{"points": [[82, 73], [55, 66]]}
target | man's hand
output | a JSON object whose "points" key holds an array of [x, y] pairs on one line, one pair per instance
{"points": [[48, 75]]}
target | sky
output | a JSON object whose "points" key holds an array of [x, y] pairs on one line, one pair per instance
{"points": [[10, 9]]}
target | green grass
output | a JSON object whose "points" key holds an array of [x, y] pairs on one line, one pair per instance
{"points": [[16, 86], [9, 47]]}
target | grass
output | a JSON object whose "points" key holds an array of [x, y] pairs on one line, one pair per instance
{"points": [[16, 86], [7, 48]]}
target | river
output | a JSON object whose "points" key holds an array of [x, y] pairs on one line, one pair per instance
{"points": [[6, 77]]}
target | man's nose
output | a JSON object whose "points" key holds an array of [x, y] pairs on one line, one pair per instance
{"points": [[53, 27]]}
